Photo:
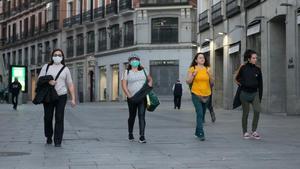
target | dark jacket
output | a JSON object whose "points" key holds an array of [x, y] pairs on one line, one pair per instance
{"points": [[250, 78], [45, 93], [141, 94], [15, 87], [177, 89]]}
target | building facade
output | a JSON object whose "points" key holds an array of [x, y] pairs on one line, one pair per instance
{"points": [[272, 28], [100, 35], [30, 29]]}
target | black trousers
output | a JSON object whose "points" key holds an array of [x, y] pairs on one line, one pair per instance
{"points": [[133, 109], [59, 107], [15, 100], [177, 101]]}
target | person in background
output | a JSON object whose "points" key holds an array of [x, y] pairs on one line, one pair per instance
{"points": [[2, 89], [177, 92], [15, 88], [249, 78]]}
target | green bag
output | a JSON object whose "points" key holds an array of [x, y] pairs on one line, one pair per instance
{"points": [[152, 99]]}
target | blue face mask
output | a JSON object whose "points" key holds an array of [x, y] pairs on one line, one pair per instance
{"points": [[135, 63]]}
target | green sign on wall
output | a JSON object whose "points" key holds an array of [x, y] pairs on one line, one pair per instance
{"points": [[19, 72]]}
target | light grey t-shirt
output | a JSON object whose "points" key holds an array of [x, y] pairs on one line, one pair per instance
{"points": [[63, 80], [135, 80]]}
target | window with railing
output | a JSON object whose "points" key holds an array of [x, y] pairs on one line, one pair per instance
{"points": [[125, 4], [251, 3], [114, 37], [112, 7], [203, 21], [40, 54], [47, 51], [14, 58], [79, 45], [163, 2], [232, 8], [70, 47], [128, 33], [32, 58], [164, 30], [91, 42], [20, 57], [26, 56], [216, 13], [102, 40]]}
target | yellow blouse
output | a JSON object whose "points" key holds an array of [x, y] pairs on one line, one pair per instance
{"points": [[201, 84]]}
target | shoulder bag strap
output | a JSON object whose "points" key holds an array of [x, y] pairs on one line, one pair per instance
{"points": [[59, 72], [48, 65]]}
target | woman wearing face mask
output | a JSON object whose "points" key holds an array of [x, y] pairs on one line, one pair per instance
{"points": [[61, 85], [249, 78], [133, 81], [200, 77]]}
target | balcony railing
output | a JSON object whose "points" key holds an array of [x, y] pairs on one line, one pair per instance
{"points": [[251, 3], [67, 22], [125, 5], [98, 12], [216, 13], [75, 19], [128, 39], [91, 47], [79, 50], [232, 8], [145, 3], [203, 21], [102, 45], [112, 8], [87, 16], [115, 42], [70, 51]]}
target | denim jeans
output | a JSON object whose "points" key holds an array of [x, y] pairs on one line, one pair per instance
{"points": [[200, 108]]}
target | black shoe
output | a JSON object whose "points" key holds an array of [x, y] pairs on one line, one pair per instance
{"points": [[130, 137], [57, 145], [142, 140], [49, 141]]}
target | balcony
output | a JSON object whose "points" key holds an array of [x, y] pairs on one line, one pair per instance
{"points": [[75, 19], [52, 25], [67, 22], [70, 52], [98, 12], [128, 39], [147, 3], [203, 21], [232, 8], [125, 5], [91, 47], [251, 3], [79, 50], [112, 8], [102, 45], [216, 14], [87, 16]]}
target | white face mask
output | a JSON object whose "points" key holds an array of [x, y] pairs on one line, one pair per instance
{"points": [[57, 59]]}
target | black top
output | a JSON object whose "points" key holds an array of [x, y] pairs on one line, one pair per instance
{"points": [[15, 88], [177, 89], [250, 78]]}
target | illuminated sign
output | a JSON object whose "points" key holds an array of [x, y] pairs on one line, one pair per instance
{"points": [[19, 72]]}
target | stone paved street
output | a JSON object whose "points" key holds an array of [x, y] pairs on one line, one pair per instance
{"points": [[96, 138]]}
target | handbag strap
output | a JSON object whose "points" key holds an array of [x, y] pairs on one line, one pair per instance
{"points": [[59, 72], [146, 76]]}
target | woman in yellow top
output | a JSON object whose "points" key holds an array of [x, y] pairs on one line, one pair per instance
{"points": [[199, 79]]}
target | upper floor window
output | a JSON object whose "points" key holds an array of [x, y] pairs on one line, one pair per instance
{"points": [[90, 41], [79, 45], [69, 9], [164, 30], [102, 43], [70, 46], [114, 37], [128, 33]]}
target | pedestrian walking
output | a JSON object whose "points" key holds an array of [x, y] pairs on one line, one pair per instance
{"points": [[249, 78], [135, 82], [199, 79], [177, 92], [15, 88], [62, 81]]}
